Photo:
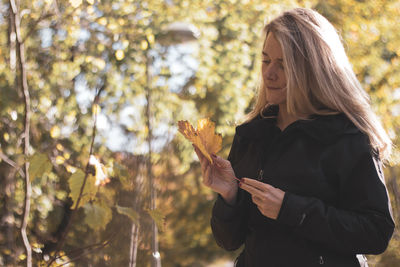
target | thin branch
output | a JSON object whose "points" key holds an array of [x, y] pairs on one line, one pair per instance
{"points": [[32, 26], [87, 171], [12, 164], [25, 92], [89, 249]]}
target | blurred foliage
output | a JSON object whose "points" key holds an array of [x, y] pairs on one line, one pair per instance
{"points": [[75, 47]]}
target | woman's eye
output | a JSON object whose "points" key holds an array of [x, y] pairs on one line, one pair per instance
{"points": [[266, 61]]}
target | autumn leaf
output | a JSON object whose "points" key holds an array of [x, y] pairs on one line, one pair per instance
{"points": [[158, 217], [75, 183], [131, 213], [204, 137], [39, 165], [97, 215]]}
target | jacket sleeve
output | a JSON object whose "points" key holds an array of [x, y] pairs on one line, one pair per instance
{"points": [[228, 222], [362, 221]]}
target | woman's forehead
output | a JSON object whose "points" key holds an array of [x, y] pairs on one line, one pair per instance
{"points": [[272, 47]]}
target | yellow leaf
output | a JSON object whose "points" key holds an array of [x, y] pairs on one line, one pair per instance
{"points": [[119, 54], [70, 169], [150, 38], [131, 213], [125, 43], [60, 160], [75, 183], [55, 131], [158, 217], [6, 137], [39, 164], [75, 3], [96, 109], [97, 215], [121, 22], [204, 137], [144, 45], [102, 21], [60, 147]]}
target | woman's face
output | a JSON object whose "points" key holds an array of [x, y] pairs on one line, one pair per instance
{"points": [[273, 72]]}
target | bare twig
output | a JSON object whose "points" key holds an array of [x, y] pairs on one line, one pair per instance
{"points": [[88, 249], [12, 164], [32, 26], [25, 92], [87, 171]]}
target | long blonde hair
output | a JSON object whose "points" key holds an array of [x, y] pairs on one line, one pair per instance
{"points": [[320, 79]]}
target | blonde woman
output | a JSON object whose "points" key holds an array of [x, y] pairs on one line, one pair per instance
{"points": [[309, 156]]}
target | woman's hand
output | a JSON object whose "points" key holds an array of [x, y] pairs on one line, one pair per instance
{"points": [[218, 176], [267, 198]]}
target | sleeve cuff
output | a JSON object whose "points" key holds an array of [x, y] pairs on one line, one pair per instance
{"points": [[292, 210], [224, 211]]}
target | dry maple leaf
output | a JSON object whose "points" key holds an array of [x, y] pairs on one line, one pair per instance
{"points": [[205, 138]]}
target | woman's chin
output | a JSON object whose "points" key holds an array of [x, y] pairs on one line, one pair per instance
{"points": [[274, 101]]}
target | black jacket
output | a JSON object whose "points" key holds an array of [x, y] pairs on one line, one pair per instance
{"points": [[335, 206]]}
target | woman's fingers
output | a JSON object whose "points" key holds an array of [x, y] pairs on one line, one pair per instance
{"points": [[254, 191], [220, 162], [257, 184], [206, 176], [200, 155]]}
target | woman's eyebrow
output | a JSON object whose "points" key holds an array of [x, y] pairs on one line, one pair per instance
{"points": [[265, 54]]}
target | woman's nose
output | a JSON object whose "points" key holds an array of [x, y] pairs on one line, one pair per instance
{"points": [[270, 73]]}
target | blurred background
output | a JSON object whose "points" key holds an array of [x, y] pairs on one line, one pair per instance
{"points": [[133, 69]]}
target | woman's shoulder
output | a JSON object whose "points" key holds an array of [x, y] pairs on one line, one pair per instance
{"points": [[257, 128], [330, 128]]}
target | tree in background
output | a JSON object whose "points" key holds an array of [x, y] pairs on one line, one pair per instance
{"points": [[75, 49]]}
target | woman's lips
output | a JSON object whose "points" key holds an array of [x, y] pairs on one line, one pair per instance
{"points": [[273, 88]]}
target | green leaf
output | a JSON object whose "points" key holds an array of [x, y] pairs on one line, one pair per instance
{"points": [[131, 213], [122, 173], [97, 215], [39, 164], [158, 217], [75, 183]]}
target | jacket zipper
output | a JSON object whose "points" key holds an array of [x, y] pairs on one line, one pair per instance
{"points": [[260, 175], [321, 260]]}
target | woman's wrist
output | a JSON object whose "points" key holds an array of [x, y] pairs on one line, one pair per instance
{"points": [[230, 196]]}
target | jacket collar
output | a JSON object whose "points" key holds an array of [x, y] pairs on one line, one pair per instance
{"points": [[323, 128]]}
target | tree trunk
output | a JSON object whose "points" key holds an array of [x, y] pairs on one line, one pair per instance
{"points": [[137, 203], [156, 260], [22, 77]]}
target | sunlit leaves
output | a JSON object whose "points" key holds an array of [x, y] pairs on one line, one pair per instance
{"points": [[39, 164], [131, 213], [158, 217], [55, 131], [119, 54], [96, 109], [97, 215], [144, 45], [75, 183], [75, 3]]}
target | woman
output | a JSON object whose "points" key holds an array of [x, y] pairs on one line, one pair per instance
{"points": [[309, 156]]}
